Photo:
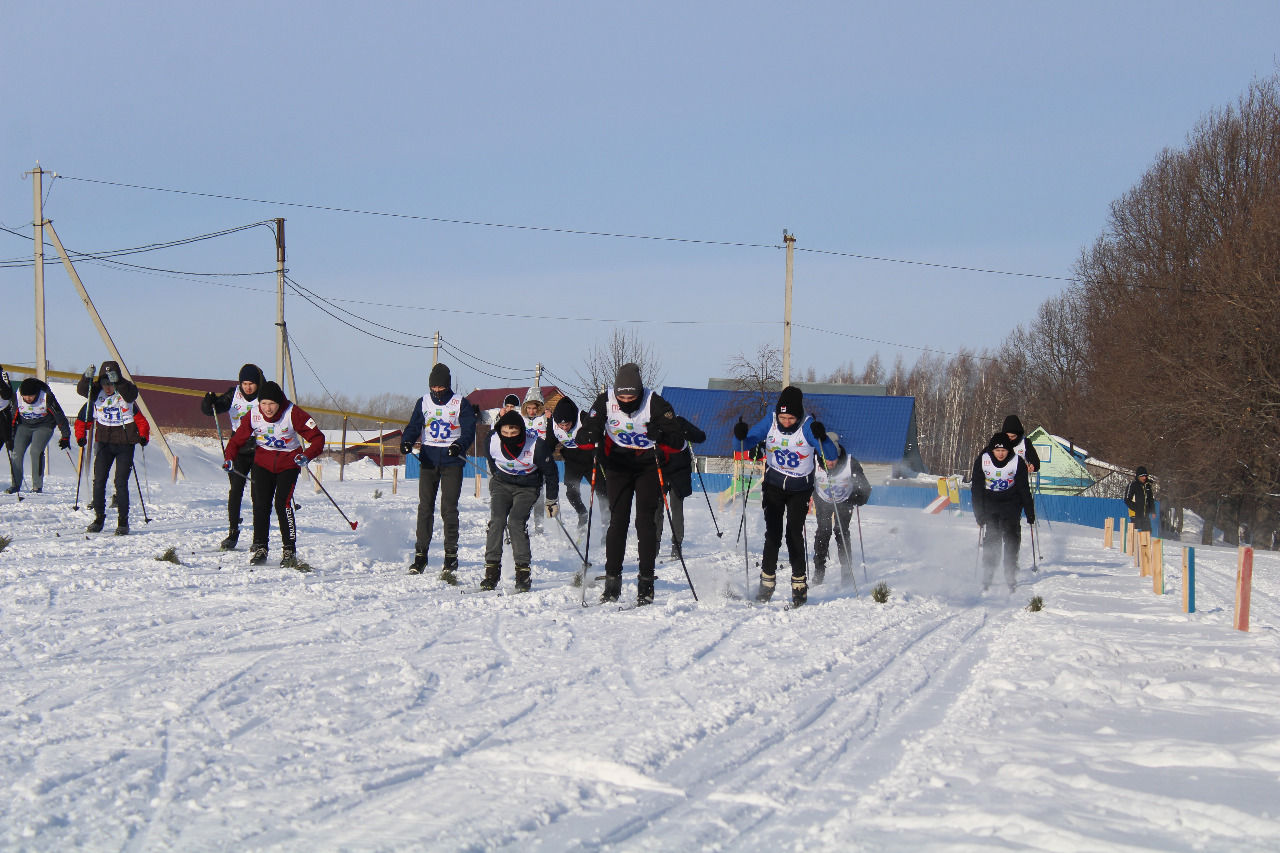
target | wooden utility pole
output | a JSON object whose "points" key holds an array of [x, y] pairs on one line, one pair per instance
{"points": [[37, 186], [537, 376], [156, 431], [280, 331], [435, 351], [790, 240]]}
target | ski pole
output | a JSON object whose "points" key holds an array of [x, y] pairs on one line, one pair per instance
{"points": [[662, 487], [591, 508], [1035, 566], [217, 423], [331, 500], [570, 538], [145, 517], [79, 470], [977, 561], [842, 540], [719, 532], [862, 547]]}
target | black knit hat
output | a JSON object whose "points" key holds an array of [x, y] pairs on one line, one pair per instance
{"points": [[29, 387], [511, 418], [790, 402], [1141, 472], [1000, 440], [251, 373], [271, 391], [565, 412], [440, 376], [628, 380]]}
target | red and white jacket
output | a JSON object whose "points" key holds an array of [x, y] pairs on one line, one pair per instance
{"points": [[277, 458]]}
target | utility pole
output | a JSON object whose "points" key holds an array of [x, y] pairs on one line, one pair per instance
{"points": [[37, 185], [280, 333], [435, 350], [790, 240], [537, 375]]}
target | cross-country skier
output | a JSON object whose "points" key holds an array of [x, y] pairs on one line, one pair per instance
{"points": [[534, 410], [1017, 436], [36, 413], [6, 414], [520, 465], [629, 422], [117, 429], [566, 421], [446, 422], [239, 400], [791, 440], [677, 474], [1001, 494], [277, 428], [836, 491]]}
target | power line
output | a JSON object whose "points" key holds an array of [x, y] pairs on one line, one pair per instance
{"points": [[888, 343]]}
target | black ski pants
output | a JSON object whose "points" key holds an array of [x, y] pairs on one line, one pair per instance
{"points": [[447, 480], [1002, 537], [238, 476], [274, 488], [778, 502], [825, 514], [627, 477], [106, 455]]}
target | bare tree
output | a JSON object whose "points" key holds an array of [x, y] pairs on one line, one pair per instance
{"points": [[756, 378], [622, 347]]}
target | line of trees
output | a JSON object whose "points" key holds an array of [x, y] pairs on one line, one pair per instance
{"points": [[1164, 352]]}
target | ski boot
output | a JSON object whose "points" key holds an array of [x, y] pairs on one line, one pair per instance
{"points": [[644, 591], [95, 526], [449, 574], [612, 588], [122, 529], [288, 558], [492, 574], [582, 521], [12, 490], [819, 573], [523, 581], [257, 554], [765, 592], [229, 544], [674, 553], [799, 592]]}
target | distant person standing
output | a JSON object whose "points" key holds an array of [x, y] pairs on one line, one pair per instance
{"points": [[1140, 500], [36, 413]]}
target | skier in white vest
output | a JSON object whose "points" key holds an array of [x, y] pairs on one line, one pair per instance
{"points": [[1001, 494], [238, 400]]}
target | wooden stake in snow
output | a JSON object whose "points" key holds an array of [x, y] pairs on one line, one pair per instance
{"points": [[1156, 564], [1188, 580], [175, 468], [1141, 554], [317, 469], [1244, 587], [395, 479], [1108, 533]]}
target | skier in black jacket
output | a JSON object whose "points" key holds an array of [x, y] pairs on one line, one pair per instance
{"points": [[35, 415], [1140, 500], [1001, 494], [566, 421], [629, 422], [677, 476], [239, 400], [1012, 428]]}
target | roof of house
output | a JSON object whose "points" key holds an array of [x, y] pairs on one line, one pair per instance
{"points": [[873, 429]]}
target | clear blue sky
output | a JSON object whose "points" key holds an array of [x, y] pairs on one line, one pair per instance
{"points": [[984, 135]]}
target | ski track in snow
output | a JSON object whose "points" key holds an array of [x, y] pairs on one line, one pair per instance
{"points": [[209, 706]]}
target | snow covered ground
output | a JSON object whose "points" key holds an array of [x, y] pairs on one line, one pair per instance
{"points": [[205, 706]]}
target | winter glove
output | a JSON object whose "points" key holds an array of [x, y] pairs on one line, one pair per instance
{"points": [[740, 430], [406, 449], [455, 451], [819, 431], [210, 398], [64, 443], [1031, 518], [859, 498], [553, 509], [82, 441], [113, 377], [226, 464], [88, 372], [301, 460], [143, 440]]}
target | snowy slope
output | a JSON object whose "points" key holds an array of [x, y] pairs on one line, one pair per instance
{"points": [[205, 706]]}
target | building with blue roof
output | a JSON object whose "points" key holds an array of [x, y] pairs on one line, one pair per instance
{"points": [[877, 430]]}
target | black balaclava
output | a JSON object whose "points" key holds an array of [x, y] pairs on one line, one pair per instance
{"points": [[790, 402], [511, 446], [440, 377], [628, 382], [565, 412], [1013, 425]]}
